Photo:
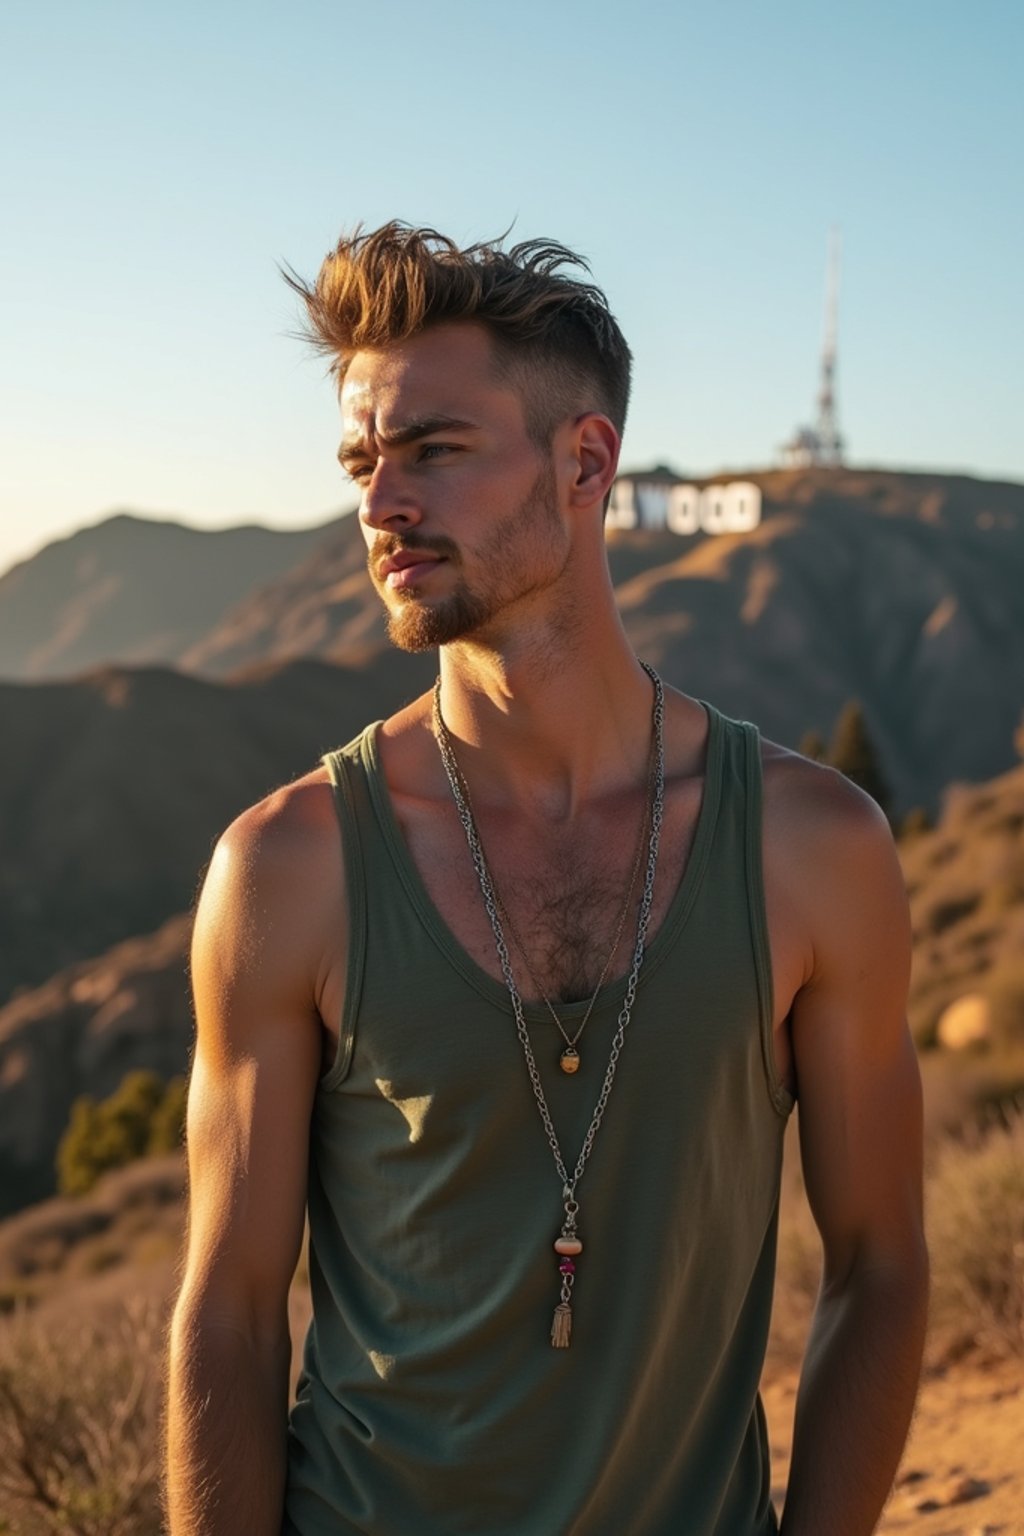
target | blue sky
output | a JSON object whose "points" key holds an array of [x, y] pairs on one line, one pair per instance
{"points": [[159, 162]]}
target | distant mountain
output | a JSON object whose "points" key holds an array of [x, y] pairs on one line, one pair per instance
{"points": [[905, 591], [132, 590], [324, 606], [114, 786]]}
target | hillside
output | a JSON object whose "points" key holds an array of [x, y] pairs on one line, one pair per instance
{"points": [[82, 1032], [904, 591], [114, 787], [132, 590], [965, 880]]}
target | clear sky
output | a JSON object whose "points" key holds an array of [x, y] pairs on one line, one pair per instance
{"points": [[160, 160]]}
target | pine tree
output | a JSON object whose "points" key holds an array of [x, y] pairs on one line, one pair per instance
{"points": [[852, 751], [812, 745]]}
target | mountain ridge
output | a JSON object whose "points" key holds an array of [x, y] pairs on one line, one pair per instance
{"points": [[132, 589]]}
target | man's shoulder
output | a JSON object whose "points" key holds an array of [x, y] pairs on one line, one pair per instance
{"points": [[815, 799], [815, 817], [282, 846]]}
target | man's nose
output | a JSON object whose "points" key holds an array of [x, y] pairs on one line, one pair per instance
{"points": [[388, 501]]}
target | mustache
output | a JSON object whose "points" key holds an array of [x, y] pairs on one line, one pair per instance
{"points": [[387, 545]]}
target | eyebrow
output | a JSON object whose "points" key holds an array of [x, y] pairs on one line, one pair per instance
{"points": [[422, 426]]}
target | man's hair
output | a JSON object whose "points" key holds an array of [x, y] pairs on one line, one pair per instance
{"points": [[555, 339]]}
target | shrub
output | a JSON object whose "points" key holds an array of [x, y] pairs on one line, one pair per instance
{"points": [[167, 1126], [140, 1117], [976, 1233], [79, 1425]]}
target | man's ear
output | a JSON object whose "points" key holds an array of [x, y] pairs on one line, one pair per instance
{"points": [[595, 459]]}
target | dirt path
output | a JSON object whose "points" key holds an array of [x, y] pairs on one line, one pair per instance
{"points": [[963, 1471]]}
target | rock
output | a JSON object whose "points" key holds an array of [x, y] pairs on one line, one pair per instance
{"points": [[965, 1023], [964, 1489]]}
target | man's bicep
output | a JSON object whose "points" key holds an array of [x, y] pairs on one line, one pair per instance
{"points": [[256, 1064], [858, 1080]]}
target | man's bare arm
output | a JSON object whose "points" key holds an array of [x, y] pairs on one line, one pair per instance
{"points": [[257, 1061], [860, 1134]]}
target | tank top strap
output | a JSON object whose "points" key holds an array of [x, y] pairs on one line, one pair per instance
{"points": [[736, 873], [353, 807]]}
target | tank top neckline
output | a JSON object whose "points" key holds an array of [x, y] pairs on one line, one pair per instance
{"points": [[658, 946]]}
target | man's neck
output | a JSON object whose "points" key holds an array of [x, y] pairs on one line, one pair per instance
{"points": [[546, 728]]}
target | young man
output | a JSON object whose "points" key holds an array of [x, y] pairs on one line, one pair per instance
{"points": [[518, 990]]}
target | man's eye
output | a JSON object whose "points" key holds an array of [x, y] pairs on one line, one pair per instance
{"points": [[359, 472], [432, 450]]}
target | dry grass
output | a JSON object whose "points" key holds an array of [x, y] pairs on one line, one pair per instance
{"points": [[974, 1205], [80, 1410], [976, 1231]]}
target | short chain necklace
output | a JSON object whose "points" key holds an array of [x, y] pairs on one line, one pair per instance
{"points": [[568, 1245], [569, 1058]]}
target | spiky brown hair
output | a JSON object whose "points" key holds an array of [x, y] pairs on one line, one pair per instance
{"points": [[554, 336]]}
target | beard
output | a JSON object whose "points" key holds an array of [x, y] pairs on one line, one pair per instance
{"points": [[417, 625]]}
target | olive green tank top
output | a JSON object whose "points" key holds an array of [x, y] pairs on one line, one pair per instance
{"points": [[431, 1402]]}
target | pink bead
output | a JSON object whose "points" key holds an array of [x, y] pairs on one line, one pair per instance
{"points": [[567, 1267], [568, 1245]]}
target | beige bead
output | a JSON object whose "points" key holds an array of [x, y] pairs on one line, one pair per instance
{"points": [[568, 1245], [569, 1061]]}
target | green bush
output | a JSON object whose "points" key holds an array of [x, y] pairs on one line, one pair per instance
{"points": [[139, 1118]]}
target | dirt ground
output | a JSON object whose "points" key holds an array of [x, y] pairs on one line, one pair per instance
{"points": [[963, 1469]]}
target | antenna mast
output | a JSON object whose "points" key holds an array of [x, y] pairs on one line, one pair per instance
{"points": [[829, 439], [822, 444]]}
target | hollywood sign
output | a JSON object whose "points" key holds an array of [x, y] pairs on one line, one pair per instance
{"points": [[731, 508]]}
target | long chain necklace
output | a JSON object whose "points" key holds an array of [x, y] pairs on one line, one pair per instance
{"points": [[568, 1245], [569, 1058]]}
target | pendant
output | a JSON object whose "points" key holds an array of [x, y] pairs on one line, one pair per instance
{"points": [[569, 1061], [568, 1247]]}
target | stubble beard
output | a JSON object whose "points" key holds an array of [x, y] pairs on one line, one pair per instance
{"points": [[416, 625]]}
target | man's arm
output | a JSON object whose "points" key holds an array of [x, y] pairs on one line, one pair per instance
{"points": [[860, 1137], [256, 949]]}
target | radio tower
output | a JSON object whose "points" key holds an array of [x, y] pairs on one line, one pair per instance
{"points": [[822, 443]]}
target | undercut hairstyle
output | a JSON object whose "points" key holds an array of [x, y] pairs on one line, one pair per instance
{"points": [[555, 339]]}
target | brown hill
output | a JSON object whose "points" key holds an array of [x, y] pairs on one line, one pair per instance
{"points": [[966, 886], [133, 590], [905, 591], [114, 787], [81, 1032]]}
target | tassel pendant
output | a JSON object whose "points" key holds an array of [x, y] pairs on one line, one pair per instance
{"points": [[568, 1248], [561, 1326]]}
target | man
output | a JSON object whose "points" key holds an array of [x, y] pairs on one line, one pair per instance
{"points": [[519, 989]]}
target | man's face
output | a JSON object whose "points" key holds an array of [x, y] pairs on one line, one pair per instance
{"points": [[459, 509]]}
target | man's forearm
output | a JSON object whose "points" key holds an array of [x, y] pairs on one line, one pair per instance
{"points": [[855, 1402], [226, 1429]]}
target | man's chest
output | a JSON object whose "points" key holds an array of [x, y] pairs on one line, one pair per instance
{"points": [[566, 898]]}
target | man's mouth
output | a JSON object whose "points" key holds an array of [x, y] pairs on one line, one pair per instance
{"points": [[405, 567]]}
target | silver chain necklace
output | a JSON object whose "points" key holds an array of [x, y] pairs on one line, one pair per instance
{"points": [[568, 1245]]}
